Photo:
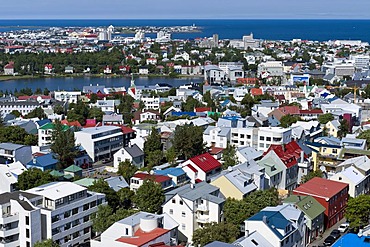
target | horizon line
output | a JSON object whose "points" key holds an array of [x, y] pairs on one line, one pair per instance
{"points": [[136, 19]]}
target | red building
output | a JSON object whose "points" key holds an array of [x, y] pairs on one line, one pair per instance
{"points": [[332, 195]]}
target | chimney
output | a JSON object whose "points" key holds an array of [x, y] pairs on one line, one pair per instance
{"points": [[34, 161], [302, 156]]}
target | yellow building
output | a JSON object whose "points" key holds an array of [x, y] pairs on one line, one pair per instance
{"points": [[324, 155], [332, 128]]}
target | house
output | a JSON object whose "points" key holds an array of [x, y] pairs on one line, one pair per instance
{"points": [[192, 206], [177, 175], [147, 115], [9, 69], [332, 128], [73, 171], [143, 70], [69, 69], [139, 230], [239, 181], [218, 137], [67, 96], [332, 195], [48, 69], [132, 153], [138, 179], [151, 61], [202, 167], [107, 70], [283, 225], [324, 155], [113, 118], [9, 176], [10, 153], [43, 162], [313, 212], [100, 142], [246, 154]]}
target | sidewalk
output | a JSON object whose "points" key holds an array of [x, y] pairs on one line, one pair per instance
{"points": [[320, 241]]}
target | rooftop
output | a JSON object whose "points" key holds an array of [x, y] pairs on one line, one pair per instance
{"points": [[56, 190], [206, 162]]}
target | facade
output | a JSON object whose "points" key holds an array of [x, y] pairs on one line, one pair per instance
{"points": [[67, 96], [270, 68], [273, 135], [10, 153], [24, 107], [217, 136], [138, 179], [150, 102], [66, 209], [201, 167], [45, 133], [192, 206], [332, 195], [100, 142], [140, 229], [131, 153]]}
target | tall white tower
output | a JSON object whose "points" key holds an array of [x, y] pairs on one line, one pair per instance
{"points": [[110, 31]]}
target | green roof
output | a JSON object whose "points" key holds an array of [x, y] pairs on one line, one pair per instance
{"points": [[68, 176], [271, 163], [51, 126], [307, 204], [55, 173], [85, 182], [344, 151], [73, 168]]}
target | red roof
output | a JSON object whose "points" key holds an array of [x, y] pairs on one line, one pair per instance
{"points": [[292, 110], [126, 130], [157, 178], [215, 150], [90, 123], [72, 123], [250, 81], [313, 111], [256, 91], [141, 238], [202, 109], [9, 66], [34, 97], [192, 168], [320, 187], [288, 153], [206, 162]]}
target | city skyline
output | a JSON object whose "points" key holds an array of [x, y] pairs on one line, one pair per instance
{"points": [[191, 9]]}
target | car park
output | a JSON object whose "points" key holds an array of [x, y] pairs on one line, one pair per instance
{"points": [[335, 233], [329, 241], [343, 227]]}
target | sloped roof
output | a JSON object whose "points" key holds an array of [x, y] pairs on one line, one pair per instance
{"points": [[43, 161], [206, 162], [156, 178], [134, 151], [73, 168], [307, 204], [289, 153]]}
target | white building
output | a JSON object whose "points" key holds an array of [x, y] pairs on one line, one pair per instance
{"points": [[140, 229], [131, 153], [151, 102], [9, 176], [272, 135], [100, 142], [66, 209], [107, 105], [217, 136], [270, 68], [67, 96], [45, 133], [192, 206], [213, 73]]}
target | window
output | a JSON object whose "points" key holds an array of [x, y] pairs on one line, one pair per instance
{"points": [[67, 226], [86, 218], [183, 226], [67, 214], [173, 201], [171, 211], [27, 220], [268, 139], [262, 138], [183, 214], [58, 201], [181, 203], [74, 211], [126, 231], [28, 244], [262, 145], [71, 197], [27, 233], [86, 206]]}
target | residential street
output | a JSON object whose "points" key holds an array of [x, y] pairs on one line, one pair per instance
{"points": [[320, 241]]}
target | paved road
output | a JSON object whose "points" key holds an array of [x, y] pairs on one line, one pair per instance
{"points": [[320, 241]]}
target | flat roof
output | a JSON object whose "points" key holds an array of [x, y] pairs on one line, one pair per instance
{"points": [[56, 190], [100, 129]]}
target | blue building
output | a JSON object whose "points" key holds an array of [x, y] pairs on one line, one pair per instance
{"points": [[44, 162], [177, 175]]}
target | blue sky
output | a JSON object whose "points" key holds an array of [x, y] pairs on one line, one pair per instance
{"points": [[185, 9]]}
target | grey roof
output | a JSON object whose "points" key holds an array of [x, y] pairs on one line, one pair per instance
{"points": [[113, 118], [201, 190], [17, 195], [135, 218], [134, 151], [219, 244], [117, 183], [10, 146], [249, 153], [251, 239]]}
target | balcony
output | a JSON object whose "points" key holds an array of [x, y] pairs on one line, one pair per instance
{"points": [[202, 207], [202, 219]]}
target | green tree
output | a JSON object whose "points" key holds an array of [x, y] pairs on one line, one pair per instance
{"points": [[236, 211], [248, 102], [325, 118], [46, 243], [154, 158], [46, 92], [229, 157], [287, 120], [93, 98], [58, 109], [190, 104], [125, 196], [343, 128], [126, 169], [16, 113], [149, 197], [38, 112], [125, 108], [171, 155], [63, 144], [102, 186], [224, 232], [95, 113], [153, 142], [78, 112], [188, 141], [358, 211], [311, 175], [34, 177], [365, 135], [105, 217], [17, 135]]}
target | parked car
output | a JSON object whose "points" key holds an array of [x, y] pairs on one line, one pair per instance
{"points": [[343, 227], [329, 241], [335, 233]]}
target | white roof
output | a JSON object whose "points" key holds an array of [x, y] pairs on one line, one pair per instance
{"points": [[96, 130], [353, 174], [57, 190], [274, 129], [11, 171]]}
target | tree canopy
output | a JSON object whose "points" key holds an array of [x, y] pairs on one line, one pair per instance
{"points": [[223, 231], [149, 197], [188, 141], [38, 112], [126, 169], [111, 196], [17, 135], [358, 211], [311, 175], [325, 118], [46, 243], [229, 157], [343, 128], [153, 148], [34, 177], [288, 120], [365, 135]]}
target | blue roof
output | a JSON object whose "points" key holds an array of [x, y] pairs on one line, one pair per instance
{"points": [[183, 113], [43, 121], [170, 171], [275, 220], [332, 99], [351, 239], [43, 161], [225, 102], [232, 118], [317, 144]]}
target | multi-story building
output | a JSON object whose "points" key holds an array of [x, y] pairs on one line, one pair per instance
{"points": [[45, 133], [217, 136], [100, 142], [138, 230], [192, 206], [332, 195], [150, 102], [10, 152], [270, 68], [24, 107], [67, 96], [273, 135], [59, 211], [9, 176]]}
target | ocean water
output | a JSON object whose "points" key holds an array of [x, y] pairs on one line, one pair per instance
{"points": [[320, 30]]}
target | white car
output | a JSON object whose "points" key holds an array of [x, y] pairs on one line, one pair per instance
{"points": [[343, 227]]}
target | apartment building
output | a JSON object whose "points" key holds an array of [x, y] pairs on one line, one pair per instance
{"points": [[45, 133], [67, 96], [100, 142], [272, 135], [192, 206], [270, 68], [59, 211], [150, 102], [10, 152]]}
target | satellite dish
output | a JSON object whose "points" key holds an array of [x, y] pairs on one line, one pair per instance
{"points": [[322, 168]]}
